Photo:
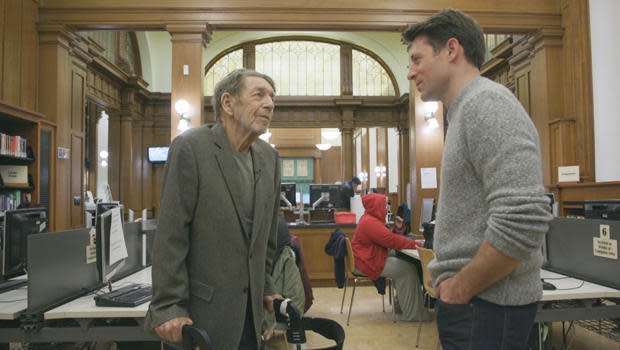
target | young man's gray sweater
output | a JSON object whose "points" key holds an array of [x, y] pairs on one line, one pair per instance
{"points": [[491, 188]]}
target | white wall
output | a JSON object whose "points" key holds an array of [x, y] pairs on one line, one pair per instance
{"points": [[604, 30]]}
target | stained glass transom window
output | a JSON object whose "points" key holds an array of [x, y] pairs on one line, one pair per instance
{"points": [[301, 68], [223, 66], [369, 77]]}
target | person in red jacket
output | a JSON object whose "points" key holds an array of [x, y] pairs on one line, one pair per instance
{"points": [[370, 250]]}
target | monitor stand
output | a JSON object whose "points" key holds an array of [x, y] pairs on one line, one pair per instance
{"points": [[7, 285]]}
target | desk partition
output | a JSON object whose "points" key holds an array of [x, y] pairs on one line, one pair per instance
{"points": [[571, 246], [57, 268]]}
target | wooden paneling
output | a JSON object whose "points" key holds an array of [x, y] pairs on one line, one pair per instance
{"points": [[295, 138], [320, 266], [382, 156], [11, 82], [577, 81], [495, 15], [18, 53], [331, 169], [428, 152], [29, 58], [77, 211]]}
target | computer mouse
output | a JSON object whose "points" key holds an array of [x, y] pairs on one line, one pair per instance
{"points": [[547, 286]]}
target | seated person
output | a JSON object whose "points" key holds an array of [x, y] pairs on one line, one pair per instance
{"points": [[399, 226], [370, 249], [347, 190]]}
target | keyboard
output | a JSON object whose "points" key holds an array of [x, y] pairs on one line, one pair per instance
{"points": [[6, 286], [127, 296]]}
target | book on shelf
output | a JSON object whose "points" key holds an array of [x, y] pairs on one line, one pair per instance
{"points": [[14, 146], [14, 175], [11, 200]]}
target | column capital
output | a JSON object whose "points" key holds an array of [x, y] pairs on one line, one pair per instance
{"points": [[190, 33]]}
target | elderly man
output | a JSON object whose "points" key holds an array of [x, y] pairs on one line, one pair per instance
{"points": [[216, 235]]}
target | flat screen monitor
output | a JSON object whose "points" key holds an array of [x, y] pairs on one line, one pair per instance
{"points": [[329, 193], [103, 207], [18, 225], [427, 214], [288, 189], [158, 154], [602, 209], [102, 236]]}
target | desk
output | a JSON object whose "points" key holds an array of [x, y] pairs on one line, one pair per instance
{"points": [[574, 299], [85, 307], [93, 323], [13, 303]]}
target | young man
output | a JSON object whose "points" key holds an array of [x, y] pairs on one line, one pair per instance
{"points": [[492, 214], [216, 236]]}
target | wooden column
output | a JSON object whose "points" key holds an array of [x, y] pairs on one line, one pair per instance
{"points": [[382, 159], [347, 111], [188, 42], [403, 155], [147, 168], [62, 77], [249, 56], [346, 70], [577, 83], [546, 94]]}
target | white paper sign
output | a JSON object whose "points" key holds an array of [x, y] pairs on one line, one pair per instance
{"points": [[428, 177], [118, 249], [604, 246], [568, 173], [91, 248]]}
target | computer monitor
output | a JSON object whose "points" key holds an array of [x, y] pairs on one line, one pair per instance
{"points": [[18, 225], [102, 237], [288, 191], [602, 209], [427, 214], [158, 154], [325, 196]]}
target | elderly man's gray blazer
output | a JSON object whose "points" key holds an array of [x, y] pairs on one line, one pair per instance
{"points": [[204, 261]]}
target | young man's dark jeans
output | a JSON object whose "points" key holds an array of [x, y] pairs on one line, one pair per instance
{"points": [[484, 325]]}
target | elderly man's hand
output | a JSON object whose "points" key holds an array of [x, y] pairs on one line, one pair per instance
{"points": [[171, 330]]}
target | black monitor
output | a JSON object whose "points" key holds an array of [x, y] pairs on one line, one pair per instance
{"points": [[602, 209], [103, 233], [18, 225], [427, 214], [330, 195], [288, 189], [158, 154]]}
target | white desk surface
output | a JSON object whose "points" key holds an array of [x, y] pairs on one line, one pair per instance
{"points": [[563, 284], [85, 307], [13, 303]]}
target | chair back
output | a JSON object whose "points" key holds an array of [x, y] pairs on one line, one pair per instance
{"points": [[349, 260], [426, 255]]}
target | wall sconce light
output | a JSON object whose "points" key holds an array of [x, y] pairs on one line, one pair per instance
{"points": [[104, 164], [380, 171], [182, 108], [431, 108], [103, 154], [323, 146], [363, 176]]}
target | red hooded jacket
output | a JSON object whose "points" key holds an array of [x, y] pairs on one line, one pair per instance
{"points": [[372, 238]]}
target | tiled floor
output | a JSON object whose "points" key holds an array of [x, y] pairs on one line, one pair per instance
{"points": [[370, 328]]}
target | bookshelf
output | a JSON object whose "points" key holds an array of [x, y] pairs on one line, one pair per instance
{"points": [[29, 125]]}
